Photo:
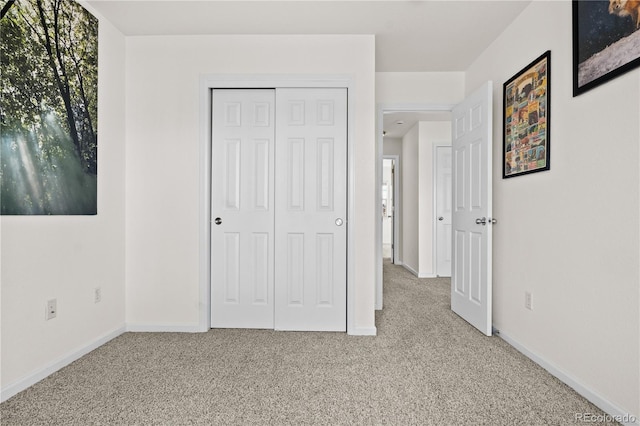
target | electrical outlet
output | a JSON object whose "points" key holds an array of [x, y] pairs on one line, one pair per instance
{"points": [[97, 295], [528, 300], [52, 309]]}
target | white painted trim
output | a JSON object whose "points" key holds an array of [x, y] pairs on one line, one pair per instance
{"points": [[204, 251], [381, 110], [589, 394], [417, 274], [410, 269], [221, 81], [427, 276], [33, 378], [363, 331], [164, 328]]}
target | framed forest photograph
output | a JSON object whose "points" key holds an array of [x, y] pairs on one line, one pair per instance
{"points": [[48, 108], [606, 41], [526, 143]]}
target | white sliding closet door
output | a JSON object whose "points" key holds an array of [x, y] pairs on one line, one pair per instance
{"points": [[311, 209], [242, 208], [279, 231]]}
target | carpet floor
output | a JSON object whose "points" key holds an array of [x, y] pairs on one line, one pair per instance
{"points": [[426, 367]]}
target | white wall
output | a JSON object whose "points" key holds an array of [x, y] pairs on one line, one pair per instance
{"points": [[66, 257], [163, 136], [431, 134], [410, 197], [570, 235], [417, 194], [419, 87]]}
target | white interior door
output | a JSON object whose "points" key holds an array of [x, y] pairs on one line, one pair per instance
{"points": [[443, 211], [387, 208], [310, 231], [242, 209], [472, 210]]}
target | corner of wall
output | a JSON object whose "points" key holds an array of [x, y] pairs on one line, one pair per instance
{"points": [[68, 257]]}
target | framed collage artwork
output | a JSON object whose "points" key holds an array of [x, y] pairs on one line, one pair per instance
{"points": [[526, 119]]}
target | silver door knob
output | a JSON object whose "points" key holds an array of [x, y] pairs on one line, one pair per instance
{"points": [[481, 221], [217, 221], [441, 218], [339, 222]]}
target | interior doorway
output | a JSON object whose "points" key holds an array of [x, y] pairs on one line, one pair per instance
{"points": [[392, 121], [389, 189]]}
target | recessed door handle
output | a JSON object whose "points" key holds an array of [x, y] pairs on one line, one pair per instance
{"points": [[217, 221]]}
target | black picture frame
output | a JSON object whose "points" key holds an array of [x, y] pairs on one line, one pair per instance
{"points": [[601, 31], [526, 116]]}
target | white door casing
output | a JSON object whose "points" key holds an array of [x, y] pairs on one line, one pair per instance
{"points": [[311, 206], [242, 208], [471, 279], [443, 186]]}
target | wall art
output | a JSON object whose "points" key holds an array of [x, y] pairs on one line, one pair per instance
{"points": [[606, 41], [49, 108], [526, 113]]}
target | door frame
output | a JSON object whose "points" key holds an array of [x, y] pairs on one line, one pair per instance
{"points": [[396, 207], [262, 81], [381, 110]]}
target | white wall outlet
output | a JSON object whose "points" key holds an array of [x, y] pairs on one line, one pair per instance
{"points": [[97, 295], [528, 300], [52, 309]]}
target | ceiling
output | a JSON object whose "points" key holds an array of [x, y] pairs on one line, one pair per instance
{"points": [[411, 36], [397, 124]]}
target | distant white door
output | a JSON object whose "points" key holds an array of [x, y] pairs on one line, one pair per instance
{"points": [[388, 166], [443, 211], [242, 206], [472, 210], [311, 209]]}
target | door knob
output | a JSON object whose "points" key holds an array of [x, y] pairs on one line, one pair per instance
{"points": [[339, 222], [441, 218], [481, 221], [217, 221]]}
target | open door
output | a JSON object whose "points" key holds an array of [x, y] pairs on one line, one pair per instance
{"points": [[472, 211]]}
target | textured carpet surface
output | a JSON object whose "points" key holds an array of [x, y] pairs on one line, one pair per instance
{"points": [[426, 367]]}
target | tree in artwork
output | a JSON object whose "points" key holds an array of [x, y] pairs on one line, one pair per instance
{"points": [[48, 108]]}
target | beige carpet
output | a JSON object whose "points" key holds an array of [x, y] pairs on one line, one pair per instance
{"points": [[425, 367]]}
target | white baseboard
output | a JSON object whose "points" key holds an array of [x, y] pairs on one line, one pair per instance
{"points": [[414, 272], [363, 331], [410, 269], [38, 375], [164, 328], [426, 276], [611, 409]]}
